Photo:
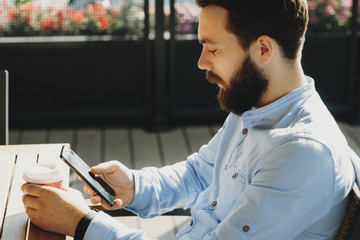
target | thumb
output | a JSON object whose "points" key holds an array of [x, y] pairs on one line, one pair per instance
{"points": [[107, 167], [118, 203]]}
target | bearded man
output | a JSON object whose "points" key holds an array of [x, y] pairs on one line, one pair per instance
{"points": [[279, 168]]}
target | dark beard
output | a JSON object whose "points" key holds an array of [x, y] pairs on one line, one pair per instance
{"points": [[246, 88]]}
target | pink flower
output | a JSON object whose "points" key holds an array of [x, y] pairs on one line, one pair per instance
{"points": [[60, 18], [99, 9], [329, 9], [78, 17], [347, 3], [314, 19], [11, 13], [103, 22], [311, 5], [75, 15], [48, 24]]}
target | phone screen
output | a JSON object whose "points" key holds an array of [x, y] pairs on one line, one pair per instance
{"points": [[83, 170]]}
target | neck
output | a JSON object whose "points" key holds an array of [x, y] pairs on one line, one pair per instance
{"points": [[283, 79]]}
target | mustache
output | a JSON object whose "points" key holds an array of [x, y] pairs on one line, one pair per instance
{"points": [[213, 78]]}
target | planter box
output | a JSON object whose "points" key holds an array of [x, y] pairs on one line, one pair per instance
{"points": [[327, 59], [112, 82], [76, 82]]}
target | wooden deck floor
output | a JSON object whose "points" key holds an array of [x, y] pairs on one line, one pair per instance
{"points": [[134, 147], [137, 148]]}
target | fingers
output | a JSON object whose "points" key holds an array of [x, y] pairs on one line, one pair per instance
{"points": [[107, 167], [95, 199], [117, 204], [31, 189], [32, 213], [33, 194], [89, 190], [30, 201]]}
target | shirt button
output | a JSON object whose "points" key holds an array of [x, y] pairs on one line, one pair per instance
{"points": [[225, 166], [191, 223], [214, 203], [245, 131], [234, 175], [246, 228]]}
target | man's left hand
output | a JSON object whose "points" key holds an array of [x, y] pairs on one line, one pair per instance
{"points": [[53, 209]]}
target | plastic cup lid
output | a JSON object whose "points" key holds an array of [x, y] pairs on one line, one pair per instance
{"points": [[42, 173]]}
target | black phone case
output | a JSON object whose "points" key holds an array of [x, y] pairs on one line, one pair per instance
{"points": [[83, 170]]}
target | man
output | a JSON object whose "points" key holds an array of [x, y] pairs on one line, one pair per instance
{"points": [[279, 167]]}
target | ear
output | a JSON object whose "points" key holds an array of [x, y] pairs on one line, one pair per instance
{"points": [[264, 49]]}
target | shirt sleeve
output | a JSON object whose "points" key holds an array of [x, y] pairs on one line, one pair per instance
{"points": [[290, 189], [104, 227], [159, 190]]}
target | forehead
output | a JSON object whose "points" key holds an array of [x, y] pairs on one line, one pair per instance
{"points": [[213, 24]]}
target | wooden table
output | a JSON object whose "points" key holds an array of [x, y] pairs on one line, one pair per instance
{"points": [[14, 159]]}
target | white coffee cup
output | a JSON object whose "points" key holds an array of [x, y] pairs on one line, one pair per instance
{"points": [[44, 173]]}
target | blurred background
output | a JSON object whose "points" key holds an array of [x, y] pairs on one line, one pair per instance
{"points": [[134, 62], [110, 76]]}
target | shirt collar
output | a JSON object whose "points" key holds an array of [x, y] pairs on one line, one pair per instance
{"points": [[296, 95]]}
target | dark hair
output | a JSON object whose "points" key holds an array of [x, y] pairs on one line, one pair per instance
{"points": [[283, 20]]}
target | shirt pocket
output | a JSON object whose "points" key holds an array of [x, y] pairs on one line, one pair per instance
{"points": [[232, 187]]}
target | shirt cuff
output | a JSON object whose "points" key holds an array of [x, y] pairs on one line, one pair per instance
{"points": [[104, 227], [140, 201]]}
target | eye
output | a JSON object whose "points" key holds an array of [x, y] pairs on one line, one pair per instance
{"points": [[213, 51]]}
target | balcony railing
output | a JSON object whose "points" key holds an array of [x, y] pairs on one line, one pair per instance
{"points": [[128, 18]]}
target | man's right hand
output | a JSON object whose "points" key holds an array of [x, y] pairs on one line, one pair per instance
{"points": [[119, 178]]}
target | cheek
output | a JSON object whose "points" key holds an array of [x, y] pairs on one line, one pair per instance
{"points": [[228, 72]]}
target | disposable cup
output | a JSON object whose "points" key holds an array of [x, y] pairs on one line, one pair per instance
{"points": [[45, 173]]}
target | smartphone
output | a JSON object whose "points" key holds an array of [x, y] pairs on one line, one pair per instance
{"points": [[83, 170]]}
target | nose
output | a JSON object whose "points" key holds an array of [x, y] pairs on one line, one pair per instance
{"points": [[203, 62]]}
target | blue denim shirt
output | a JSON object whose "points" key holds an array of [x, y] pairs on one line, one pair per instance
{"points": [[281, 171]]}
